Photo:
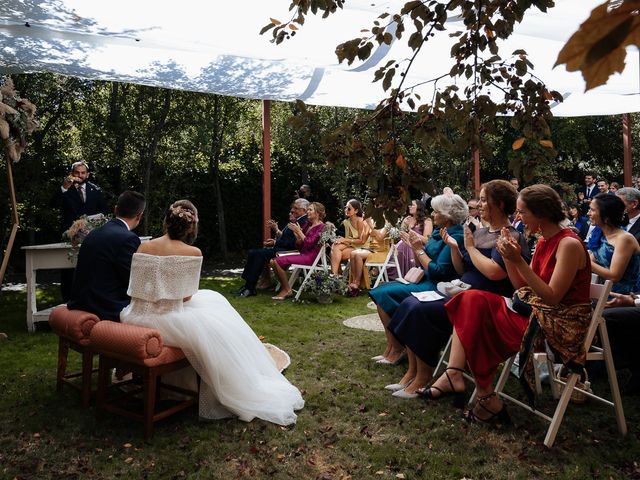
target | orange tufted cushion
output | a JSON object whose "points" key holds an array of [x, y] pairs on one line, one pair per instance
{"points": [[134, 344], [73, 324]]}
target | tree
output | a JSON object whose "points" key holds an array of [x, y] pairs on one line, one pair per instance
{"points": [[454, 120]]}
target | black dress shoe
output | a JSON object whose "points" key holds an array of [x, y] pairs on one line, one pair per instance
{"points": [[247, 292]]}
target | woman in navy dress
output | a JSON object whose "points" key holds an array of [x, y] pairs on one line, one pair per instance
{"points": [[424, 327], [449, 212]]}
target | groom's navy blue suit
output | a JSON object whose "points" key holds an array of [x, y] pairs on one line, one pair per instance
{"points": [[102, 274]]}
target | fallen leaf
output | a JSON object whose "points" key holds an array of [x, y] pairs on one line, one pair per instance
{"points": [[36, 435], [127, 445], [546, 143], [128, 460], [400, 475]]}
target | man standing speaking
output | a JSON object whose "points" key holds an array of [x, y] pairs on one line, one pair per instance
{"points": [[76, 197]]}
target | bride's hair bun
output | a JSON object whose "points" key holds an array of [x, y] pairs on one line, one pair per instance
{"points": [[181, 221]]}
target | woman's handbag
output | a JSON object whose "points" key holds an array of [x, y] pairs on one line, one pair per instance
{"points": [[414, 275]]}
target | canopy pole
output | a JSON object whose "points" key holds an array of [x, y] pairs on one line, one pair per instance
{"points": [[14, 217], [626, 143], [266, 165], [476, 173]]}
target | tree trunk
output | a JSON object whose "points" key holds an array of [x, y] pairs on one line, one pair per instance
{"points": [[151, 152], [214, 166]]}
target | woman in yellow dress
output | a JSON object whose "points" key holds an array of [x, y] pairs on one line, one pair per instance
{"points": [[356, 234]]}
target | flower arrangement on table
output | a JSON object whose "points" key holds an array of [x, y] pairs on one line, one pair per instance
{"points": [[79, 230], [324, 285]]}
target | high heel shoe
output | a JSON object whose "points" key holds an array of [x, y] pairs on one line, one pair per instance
{"points": [[501, 417], [394, 387], [384, 361], [459, 398]]}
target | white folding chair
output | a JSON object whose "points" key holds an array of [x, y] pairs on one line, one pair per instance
{"points": [[602, 353], [390, 261], [320, 263]]}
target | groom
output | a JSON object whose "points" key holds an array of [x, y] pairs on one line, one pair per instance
{"points": [[104, 261]]}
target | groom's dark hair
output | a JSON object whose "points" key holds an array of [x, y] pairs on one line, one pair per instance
{"points": [[130, 204]]}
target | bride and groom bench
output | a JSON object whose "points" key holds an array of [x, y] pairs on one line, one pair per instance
{"points": [[127, 348]]}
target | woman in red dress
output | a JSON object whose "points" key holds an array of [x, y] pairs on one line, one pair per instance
{"points": [[486, 330]]}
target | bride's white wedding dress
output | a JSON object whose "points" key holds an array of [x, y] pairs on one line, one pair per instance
{"points": [[238, 375]]}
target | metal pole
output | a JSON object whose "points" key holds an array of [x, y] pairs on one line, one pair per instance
{"points": [[626, 143], [266, 162]]}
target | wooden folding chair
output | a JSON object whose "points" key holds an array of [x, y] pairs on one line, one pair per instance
{"points": [[390, 261], [602, 353], [319, 264]]}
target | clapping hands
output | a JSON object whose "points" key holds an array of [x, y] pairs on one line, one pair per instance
{"points": [[508, 247], [448, 239]]}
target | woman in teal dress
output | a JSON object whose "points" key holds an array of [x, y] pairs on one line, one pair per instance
{"points": [[617, 255], [449, 211]]}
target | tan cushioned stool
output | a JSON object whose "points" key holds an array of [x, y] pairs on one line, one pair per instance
{"points": [[73, 328], [139, 350]]}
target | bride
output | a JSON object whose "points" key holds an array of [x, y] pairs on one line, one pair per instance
{"points": [[239, 377]]}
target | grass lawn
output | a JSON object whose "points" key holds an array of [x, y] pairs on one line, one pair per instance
{"points": [[350, 427]]}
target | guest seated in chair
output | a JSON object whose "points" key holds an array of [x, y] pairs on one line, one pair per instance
{"points": [[616, 256], [284, 239], [449, 212], [239, 378], [356, 234], [554, 290], [418, 221], [424, 327], [307, 240], [375, 250]]}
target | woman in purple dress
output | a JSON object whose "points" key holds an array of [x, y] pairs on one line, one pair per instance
{"points": [[307, 240], [419, 222]]}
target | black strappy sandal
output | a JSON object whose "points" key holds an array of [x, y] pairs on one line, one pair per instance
{"points": [[459, 398], [501, 417]]}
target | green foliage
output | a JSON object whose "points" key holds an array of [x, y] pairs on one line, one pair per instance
{"points": [[376, 146]]}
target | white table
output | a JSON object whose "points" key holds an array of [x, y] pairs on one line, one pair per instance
{"points": [[43, 257]]}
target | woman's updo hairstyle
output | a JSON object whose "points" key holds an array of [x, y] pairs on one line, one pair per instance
{"points": [[611, 209], [502, 194], [357, 206], [320, 210], [543, 202], [181, 222]]}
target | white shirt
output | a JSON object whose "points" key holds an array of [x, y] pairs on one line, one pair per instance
{"points": [[632, 221], [125, 223]]}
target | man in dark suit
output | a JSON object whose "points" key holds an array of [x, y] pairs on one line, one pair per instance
{"points": [[285, 240], [587, 192], [623, 327], [631, 198], [76, 197], [104, 261]]}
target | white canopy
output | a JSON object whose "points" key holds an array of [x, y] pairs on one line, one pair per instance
{"points": [[215, 46]]}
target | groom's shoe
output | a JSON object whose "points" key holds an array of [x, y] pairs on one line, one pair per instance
{"points": [[247, 292]]}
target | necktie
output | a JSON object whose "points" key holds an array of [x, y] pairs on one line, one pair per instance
{"points": [[81, 192]]}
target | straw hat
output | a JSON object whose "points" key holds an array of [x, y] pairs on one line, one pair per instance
{"points": [[280, 357]]}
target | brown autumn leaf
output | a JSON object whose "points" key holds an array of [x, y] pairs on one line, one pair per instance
{"points": [[517, 145], [275, 21], [597, 49], [546, 143], [401, 163], [547, 95], [292, 27]]}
